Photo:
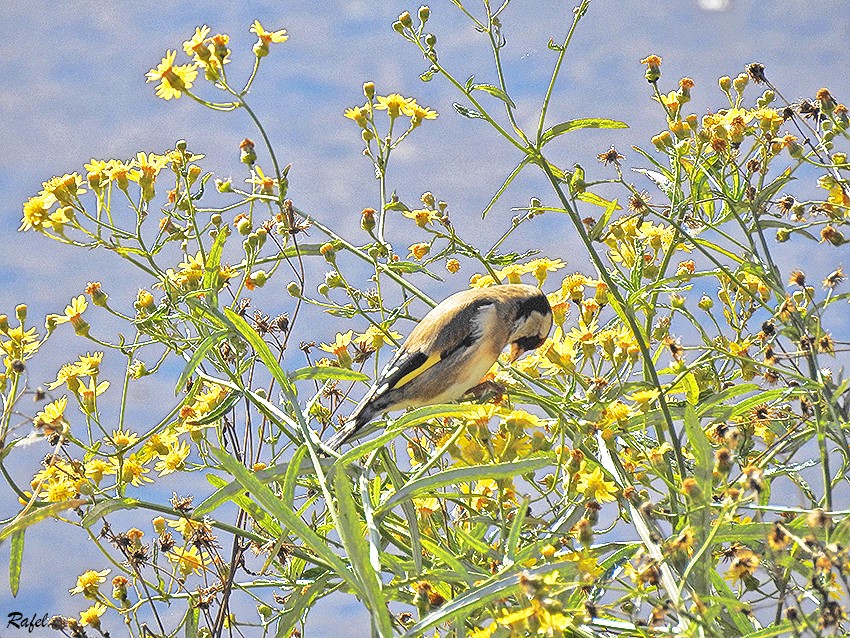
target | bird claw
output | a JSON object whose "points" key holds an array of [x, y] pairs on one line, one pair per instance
{"points": [[488, 391]]}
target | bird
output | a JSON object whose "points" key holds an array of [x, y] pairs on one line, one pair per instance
{"points": [[452, 348]]}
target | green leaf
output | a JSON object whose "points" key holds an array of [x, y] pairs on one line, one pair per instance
{"points": [[598, 229], [195, 360], [227, 491], [467, 112], [575, 125], [351, 534], [39, 514], [785, 628], [211, 280], [16, 557], [477, 597], [462, 475], [664, 184], [107, 507], [596, 200], [260, 347], [505, 184], [408, 420], [299, 602], [287, 518], [495, 91], [742, 622], [193, 614], [220, 410], [327, 374]]}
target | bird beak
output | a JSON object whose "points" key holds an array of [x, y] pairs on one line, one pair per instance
{"points": [[515, 353]]}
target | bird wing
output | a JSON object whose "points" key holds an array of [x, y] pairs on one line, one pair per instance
{"points": [[429, 344]]}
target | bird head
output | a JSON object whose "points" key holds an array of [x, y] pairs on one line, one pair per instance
{"points": [[532, 324]]}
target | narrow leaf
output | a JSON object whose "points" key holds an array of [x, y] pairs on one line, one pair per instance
{"points": [[327, 374], [462, 475], [505, 184], [195, 360], [260, 347], [357, 547], [575, 125], [495, 91], [467, 112], [16, 557]]}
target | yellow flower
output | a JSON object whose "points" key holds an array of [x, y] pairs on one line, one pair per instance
{"points": [[64, 190], [339, 347], [743, 565], [543, 266], [37, 213], [267, 37], [419, 113], [422, 217], [187, 560], [594, 486], [513, 272], [122, 439], [132, 471], [395, 104], [418, 251], [53, 416], [96, 469], [573, 286], [68, 373], [359, 114], [89, 394], [60, 489], [173, 79], [89, 363], [376, 337], [196, 46], [173, 461], [452, 265], [91, 616], [644, 397], [188, 528], [74, 311], [481, 281], [89, 581]]}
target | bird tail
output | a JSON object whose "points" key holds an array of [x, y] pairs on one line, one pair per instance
{"points": [[361, 416]]}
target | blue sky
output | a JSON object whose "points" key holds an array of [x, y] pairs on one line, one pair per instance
{"points": [[73, 88]]}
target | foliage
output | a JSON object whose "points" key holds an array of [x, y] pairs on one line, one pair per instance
{"points": [[630, 479]]}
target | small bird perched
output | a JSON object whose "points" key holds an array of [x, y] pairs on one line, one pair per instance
{"points": [[452, 348]]}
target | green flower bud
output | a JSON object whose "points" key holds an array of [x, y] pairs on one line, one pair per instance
{"points": [[424, 13], [705, 303], [677, 301], [21, 313], [369, 90], [328, 252], [293, 289], [243, 226], [259, 277]]}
